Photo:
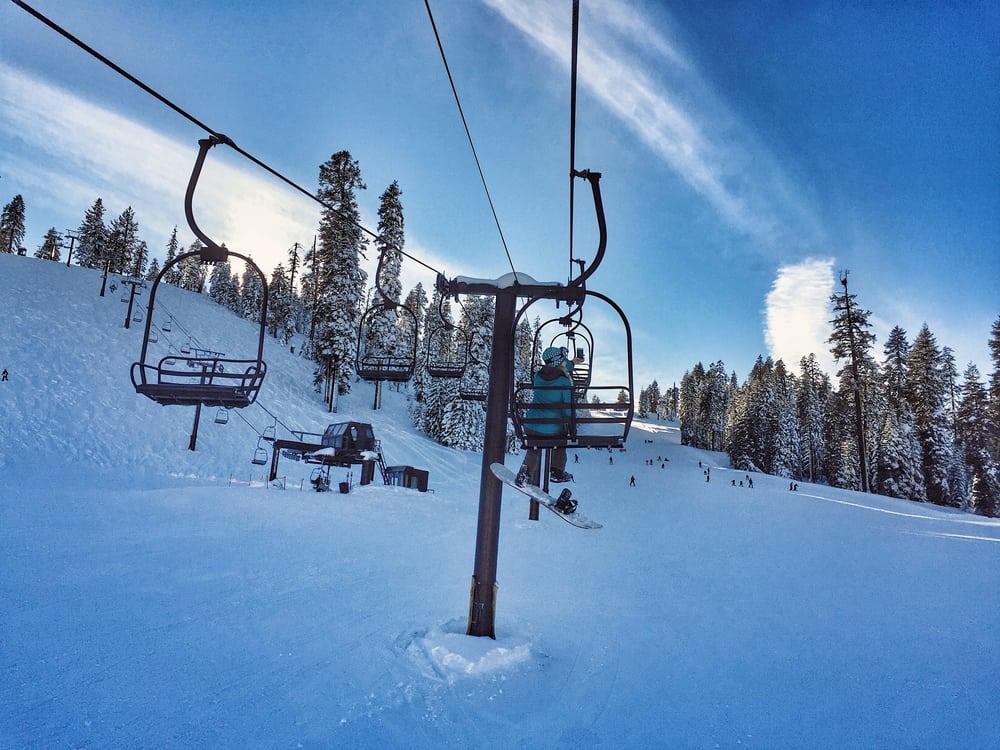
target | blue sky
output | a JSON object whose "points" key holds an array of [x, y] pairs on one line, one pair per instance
{"points": [[749, 151]]}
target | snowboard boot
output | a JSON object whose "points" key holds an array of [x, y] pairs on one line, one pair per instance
{"points": [[565, 504], [522, 476], [558, 476]]}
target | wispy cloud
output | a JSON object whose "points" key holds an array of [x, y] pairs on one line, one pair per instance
{"points": [[648, 84], [130, 164], [797, 313]]}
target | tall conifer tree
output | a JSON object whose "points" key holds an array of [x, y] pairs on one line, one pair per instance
{"points": [[12, 225], [92, 242], [339, 278], [851, 342]]}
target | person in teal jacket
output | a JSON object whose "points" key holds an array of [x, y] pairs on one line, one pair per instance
{"points": [[553, 403]]}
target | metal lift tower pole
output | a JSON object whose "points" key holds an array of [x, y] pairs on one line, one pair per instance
{"points": [[482, 605]]}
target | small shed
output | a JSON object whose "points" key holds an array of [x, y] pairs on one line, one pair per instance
{"points": [[407, 476]]}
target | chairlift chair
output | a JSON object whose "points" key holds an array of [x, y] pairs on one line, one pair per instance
{"points": [[167, 326], [225, 383], [153, 336], [447, 357], [600, 422], [259, 455], [222, 416], [320, 478], [268, 433], [387, 338]]}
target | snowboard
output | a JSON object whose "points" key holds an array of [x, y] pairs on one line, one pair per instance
{"points": [[509, 478]]}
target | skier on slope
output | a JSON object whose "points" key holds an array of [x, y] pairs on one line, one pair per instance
{"points": [[553, 403]]}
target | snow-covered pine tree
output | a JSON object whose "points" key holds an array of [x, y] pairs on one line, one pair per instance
{"points": [[251, 294], [294, 263], [688, 409], [93, 237], [851, 341], [895, 367], [649, 400], [838, 429], [140, 260], [994, 390], [898, 471], [153, 271], [927, 396], [949, 373], [814, 390], [12, 225], [222, 287], [975, 430], [339, 278], [123, 240], [49, 249], [280, 312], [897, 463], [389, 332], [416, 302], [785, 438], [654, 396], [670, 402], [477, 322], [752, 419], [173, 274], [192, 273]]}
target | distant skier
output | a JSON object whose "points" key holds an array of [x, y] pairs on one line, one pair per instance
{"points": [[631, 482], [3, 375]]}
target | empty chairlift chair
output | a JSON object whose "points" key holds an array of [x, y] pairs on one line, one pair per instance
{"points": [[387, 337], [190, 380]]}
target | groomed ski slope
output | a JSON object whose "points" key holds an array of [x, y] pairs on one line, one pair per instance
{"points": [[152, 596]]}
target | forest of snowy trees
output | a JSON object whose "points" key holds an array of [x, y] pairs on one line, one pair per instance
{"points": [[901, 423], [926, 433]]}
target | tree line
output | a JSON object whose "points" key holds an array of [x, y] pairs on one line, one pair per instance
{"points": [[902, 424]]}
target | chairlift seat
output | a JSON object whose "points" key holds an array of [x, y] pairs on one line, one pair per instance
{"points": [[445, 369], [235, 388], [592, 425], [394, 369]]}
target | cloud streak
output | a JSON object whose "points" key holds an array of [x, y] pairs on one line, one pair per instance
{"points": [[130, 164], [647, 84]]}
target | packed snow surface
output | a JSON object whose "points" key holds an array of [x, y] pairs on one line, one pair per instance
{"points": [[153, 596]]}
